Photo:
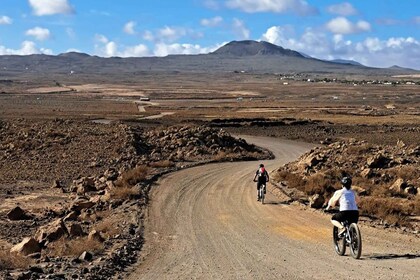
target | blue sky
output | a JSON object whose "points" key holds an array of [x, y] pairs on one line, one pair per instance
{"points": [[373, 32]]}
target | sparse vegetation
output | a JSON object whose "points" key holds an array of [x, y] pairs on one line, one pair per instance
{"points": [[13, 261], [74, 248]]}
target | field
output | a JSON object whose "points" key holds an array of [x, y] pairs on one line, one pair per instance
{"points": [[63, 129]]}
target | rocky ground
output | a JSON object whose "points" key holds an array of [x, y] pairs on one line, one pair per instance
{"points": [[386, 177], [73, 193]]}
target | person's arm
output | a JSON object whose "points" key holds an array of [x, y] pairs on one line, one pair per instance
{"points": [[333, 200], [268, 177], [255, 177]]}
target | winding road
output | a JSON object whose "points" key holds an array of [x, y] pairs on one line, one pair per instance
{"points": [[205, 223]]}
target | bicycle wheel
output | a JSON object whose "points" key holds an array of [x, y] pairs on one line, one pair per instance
{"points": [[355, 241], [262, 195], [339, 243]]}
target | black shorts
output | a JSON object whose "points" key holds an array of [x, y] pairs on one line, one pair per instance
{"points": [[351, 216], [259, 184]]}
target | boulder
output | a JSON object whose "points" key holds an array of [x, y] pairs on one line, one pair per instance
{"points": [[411, 190], [398, 186], [367, 173], [377, 161], [359, 190], [51, 232], [28, 246], [81, 203], [16, 214], [316, 201], [86, 256], [75, 230], [95, 235], [72, 216], [56, 184]]}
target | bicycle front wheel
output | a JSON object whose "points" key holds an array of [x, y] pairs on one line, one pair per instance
{"points": [[339, 243], [355, 241]]}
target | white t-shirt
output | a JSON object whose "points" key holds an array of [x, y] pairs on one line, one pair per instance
{"points": [[346, 198]]}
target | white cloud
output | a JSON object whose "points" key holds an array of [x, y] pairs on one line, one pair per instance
{"points": [[211, 22], [371, 51], [240, 30], [101, 38], [107, 48], [129, 27], [342, 9], [39, 33], [71, 33], [299, 7], [167, 49], [50, 7], [5, 20], [170, 34], [212, 4], [341, 25], [27, 48]]}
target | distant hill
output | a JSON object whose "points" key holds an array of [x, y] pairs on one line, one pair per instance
{"points": [[244, 56], [346, 61], [252, 48]]}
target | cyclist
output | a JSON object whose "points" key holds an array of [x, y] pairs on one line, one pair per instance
{"points": [[263, 178], [348, 200]]}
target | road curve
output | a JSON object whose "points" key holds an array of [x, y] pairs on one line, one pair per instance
{"points": [[205, 223]]}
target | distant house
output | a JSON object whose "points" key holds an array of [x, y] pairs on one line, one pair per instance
{"points": [[144, 99]]}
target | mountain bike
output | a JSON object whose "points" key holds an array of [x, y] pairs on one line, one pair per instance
{"points": [[262, 192], [351, 238]]}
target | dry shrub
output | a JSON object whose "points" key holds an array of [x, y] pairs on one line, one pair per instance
{"points": [[108, 227], [124, 192], [293, 180], [162, 164], [13, 261], [406, 172], [317, 184], [133, 176], [360, 149], [220, 156], [392, 210], [74, 248]]}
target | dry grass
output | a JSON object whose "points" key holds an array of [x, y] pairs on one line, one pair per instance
{"points": [[124, 192], [13, 261], [405, 172], [392, 210], [132, 177], [74, 248], [162, 164], [108, 227]]}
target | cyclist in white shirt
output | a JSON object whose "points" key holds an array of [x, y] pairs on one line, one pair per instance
{"points": [[347, 199]]}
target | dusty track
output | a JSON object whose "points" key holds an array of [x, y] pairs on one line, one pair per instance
{"points": [[205, 223]]}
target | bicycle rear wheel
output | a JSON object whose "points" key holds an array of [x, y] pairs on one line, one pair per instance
{"points": [[339, 243], [355, 241], [262, 195]]}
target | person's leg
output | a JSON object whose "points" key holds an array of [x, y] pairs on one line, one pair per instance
{"points": [[336, 221]]}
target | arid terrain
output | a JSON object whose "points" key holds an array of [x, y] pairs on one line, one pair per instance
{"points": [[140, 178]]}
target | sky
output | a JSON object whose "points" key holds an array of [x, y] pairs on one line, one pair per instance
{"points": [[378, 33]]}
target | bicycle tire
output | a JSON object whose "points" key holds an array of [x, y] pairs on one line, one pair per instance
{"points": [[355, 241], [262, 195], [339, 243]]}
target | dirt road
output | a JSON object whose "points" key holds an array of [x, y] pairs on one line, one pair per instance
{"points": [[205, 223]]}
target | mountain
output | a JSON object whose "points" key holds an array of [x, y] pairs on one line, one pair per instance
{"points": [[346, 61], [252, 48], [244, 56]]}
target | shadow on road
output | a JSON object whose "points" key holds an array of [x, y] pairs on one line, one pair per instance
{"points": [[277, 202], [392, 256]]}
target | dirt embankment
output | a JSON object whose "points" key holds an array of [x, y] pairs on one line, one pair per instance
{"points": [[386, 177], [75, 206]]}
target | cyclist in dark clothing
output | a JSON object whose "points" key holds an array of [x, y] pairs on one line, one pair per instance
{"points": [[261, 177]]}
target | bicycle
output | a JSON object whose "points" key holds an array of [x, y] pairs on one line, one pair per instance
{"points": [[351, 238], [261, 193]]}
